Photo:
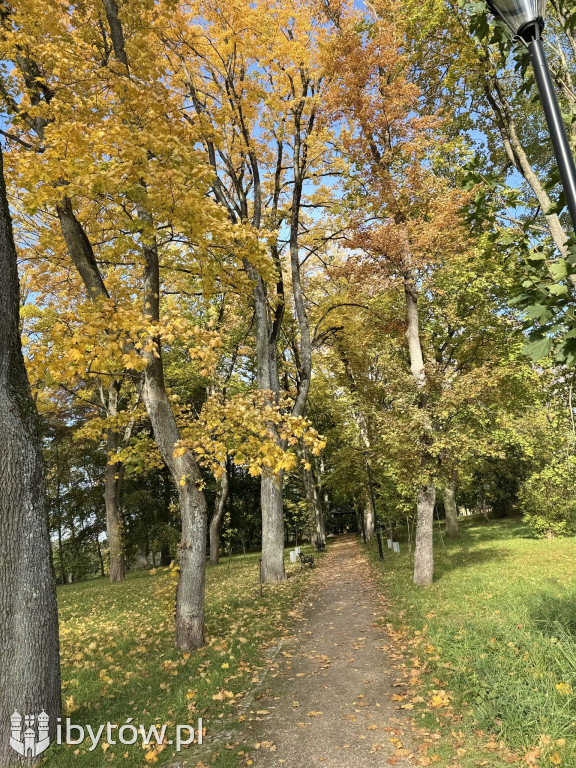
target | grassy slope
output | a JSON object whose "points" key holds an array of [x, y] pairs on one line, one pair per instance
{"points": [[499, 635], [118, 659]]}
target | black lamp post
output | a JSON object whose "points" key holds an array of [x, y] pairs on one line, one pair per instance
{"points": [[525, 18]]}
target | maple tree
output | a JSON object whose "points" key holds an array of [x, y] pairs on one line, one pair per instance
{"points": [[47, 129], [123, 218], [254, 80]]}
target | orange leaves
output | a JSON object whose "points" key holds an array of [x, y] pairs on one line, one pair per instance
{"points": [[439, 699], [223, 695]]}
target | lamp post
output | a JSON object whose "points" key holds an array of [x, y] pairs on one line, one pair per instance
{"points": [[525, 19], [373, 499]]}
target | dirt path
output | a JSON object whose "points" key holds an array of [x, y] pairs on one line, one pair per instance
{"points": [[331, 703]]}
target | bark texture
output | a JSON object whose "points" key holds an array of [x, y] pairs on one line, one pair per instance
{"points": [[271, 487], [219, 505], [116, 31], [29, 650], [451, 510], [80, 250], [272, 529], [424, 553]]}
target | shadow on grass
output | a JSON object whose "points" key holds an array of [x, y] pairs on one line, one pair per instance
{"points": [[459, 557], [478, 529], [465, 552], [555, 613]]}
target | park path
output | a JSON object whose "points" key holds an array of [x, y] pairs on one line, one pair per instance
{"points": [[331, 702]]}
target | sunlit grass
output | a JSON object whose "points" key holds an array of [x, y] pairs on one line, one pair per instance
{"points": [[499, 633]]}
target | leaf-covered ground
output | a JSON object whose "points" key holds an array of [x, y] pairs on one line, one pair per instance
{"points": [[487, 654], [485, 658], [118, 660]]}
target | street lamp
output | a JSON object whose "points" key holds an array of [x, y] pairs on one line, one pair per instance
{"points": [[525, 19]]}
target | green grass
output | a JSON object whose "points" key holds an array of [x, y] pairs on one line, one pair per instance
{"points": [[498, 632], [118, 659]]}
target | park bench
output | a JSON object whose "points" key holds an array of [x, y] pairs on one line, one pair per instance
{"points": [[306, 560]]}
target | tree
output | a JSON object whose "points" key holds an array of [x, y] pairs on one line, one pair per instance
{"points": [[140, 216], [400, 217], [255, 79], [29, 646]]}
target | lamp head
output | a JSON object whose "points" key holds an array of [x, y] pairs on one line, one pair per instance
{"points": [[524, 18]]}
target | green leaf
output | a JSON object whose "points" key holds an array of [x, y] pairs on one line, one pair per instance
{"points": [[538, 312], [558, 290], [538, 348], [559, 269]]}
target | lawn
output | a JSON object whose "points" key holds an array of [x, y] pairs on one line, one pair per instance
{"points": [[490, 647], [118, 660]]}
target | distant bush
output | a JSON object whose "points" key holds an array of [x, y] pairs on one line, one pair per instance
{"points": [[548, 499]]}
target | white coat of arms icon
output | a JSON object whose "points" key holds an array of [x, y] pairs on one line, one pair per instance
{"points": [[23, 736]]}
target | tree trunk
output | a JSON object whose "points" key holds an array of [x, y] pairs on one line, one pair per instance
{"points": [[189, 615], [324, 498], [361, 521], [61, 552], [272, 529], [165, 556], [219, 504], [59, 519], [424, 552], [29, 649], [369, 521], [141, 562], [315, 510], [82, 255], [271, 485], [113, 474], [100, 558], [451, 509]]}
